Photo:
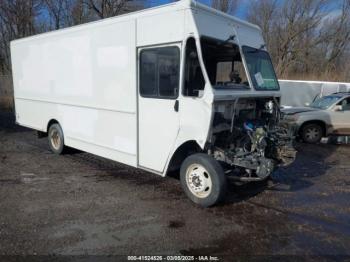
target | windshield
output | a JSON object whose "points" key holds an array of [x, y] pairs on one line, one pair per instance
{"points": [[223, 63], [324, 102], [260, 69]]}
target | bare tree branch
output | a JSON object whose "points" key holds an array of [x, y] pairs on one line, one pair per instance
{"points": [[226, 6]]}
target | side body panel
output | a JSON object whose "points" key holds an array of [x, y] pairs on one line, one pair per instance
{"points": [[161, 28], [86, 81]]}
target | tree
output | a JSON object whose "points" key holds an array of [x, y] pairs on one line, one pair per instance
{"points": [[59, 11], [337, 36], [21, 18], [227, 6], [80, 13], [17, 20], [297, 22], [263, 13], [300, 38], [109, 8]]}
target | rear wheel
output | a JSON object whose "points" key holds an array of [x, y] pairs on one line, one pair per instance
{"points": [[56, 139], [203, 180], [312, 133]]}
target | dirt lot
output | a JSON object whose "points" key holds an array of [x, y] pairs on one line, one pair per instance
{"points": [[82, 204]]}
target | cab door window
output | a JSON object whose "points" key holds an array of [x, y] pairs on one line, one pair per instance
{"points": [[160, 72]]}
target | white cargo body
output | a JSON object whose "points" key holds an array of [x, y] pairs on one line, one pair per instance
{"points": [[87, 79]]}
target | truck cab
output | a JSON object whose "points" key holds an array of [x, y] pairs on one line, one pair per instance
{"points": [[228, 108]]}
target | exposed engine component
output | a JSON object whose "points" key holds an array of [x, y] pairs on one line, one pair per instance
{"points": [[254, 142]]}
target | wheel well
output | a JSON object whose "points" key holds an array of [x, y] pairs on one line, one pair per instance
{"points": [[318, 122], [51, 122], [182, 153]]}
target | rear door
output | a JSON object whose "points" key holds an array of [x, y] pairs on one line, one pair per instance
{"points": [[158, 105]]}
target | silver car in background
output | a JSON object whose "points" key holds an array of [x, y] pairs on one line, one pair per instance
{"points": [[328, 115]]}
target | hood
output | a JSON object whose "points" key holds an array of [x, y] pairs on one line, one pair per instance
{"points": [[297, 110]]}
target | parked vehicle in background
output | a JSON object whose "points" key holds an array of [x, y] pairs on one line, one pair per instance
{"points": [[328, 115], [296, 93], [181, 86]]}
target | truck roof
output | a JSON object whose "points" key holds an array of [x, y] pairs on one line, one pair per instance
{"points": [[179, 5]]}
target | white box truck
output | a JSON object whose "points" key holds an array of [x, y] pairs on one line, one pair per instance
{"points": [[177, 87]]}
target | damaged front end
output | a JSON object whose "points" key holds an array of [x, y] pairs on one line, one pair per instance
{"points": [[248, 139]]}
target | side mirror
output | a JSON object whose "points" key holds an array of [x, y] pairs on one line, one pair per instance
{"points": [[338, 108], [307, 104]]}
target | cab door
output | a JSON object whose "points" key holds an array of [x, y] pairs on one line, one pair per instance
{"points": [[158, 104]]}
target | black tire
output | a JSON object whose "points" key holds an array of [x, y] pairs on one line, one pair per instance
{"points": [[213, 172], [312, 133], [56, 139]]}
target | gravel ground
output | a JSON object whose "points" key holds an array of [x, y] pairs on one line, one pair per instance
{"points": [[80, 204]]}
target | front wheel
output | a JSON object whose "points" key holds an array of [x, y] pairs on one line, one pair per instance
{"points": [[312, 133], [203, 180]]}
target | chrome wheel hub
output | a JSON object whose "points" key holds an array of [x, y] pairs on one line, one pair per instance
{"points": [[198, 180], [55, 139]]}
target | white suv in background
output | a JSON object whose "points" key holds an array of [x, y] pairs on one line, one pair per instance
{"points": [[328, 115]]}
